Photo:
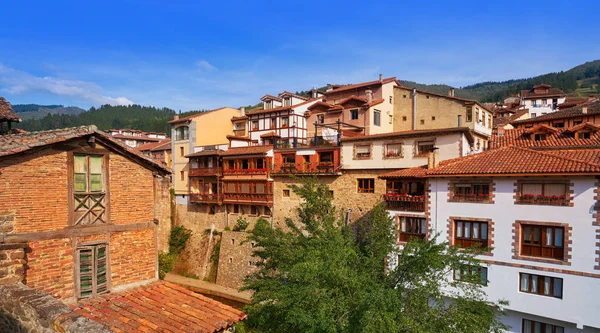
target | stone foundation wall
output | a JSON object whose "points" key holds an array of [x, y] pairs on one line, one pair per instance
{"points": [[12, 263], [162, 211], [235, 259], [27, 310]]}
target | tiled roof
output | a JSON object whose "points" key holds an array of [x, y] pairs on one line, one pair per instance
{"points": [[147, 146], [239, 118], [415, 133], [541, 128], [163, 145], [251, 150], [416, 172], [573, 101], [143, 137], [207, 152], [159, 307], [593, 107], [6, 111], [269, 97], [353, 98], [271, 134], [376, 101], [287, 93], [18, 143], [281, 108], [361, 85], [513, 160], [562, 138], [237, 137], [321, 104], [527, 94], [184, 119]]}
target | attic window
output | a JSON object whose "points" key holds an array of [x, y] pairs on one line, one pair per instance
{"points": [[584, 135], [539, 137], [558, 125]]}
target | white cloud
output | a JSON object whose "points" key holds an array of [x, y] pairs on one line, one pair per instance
{"points": [[205, 66], [18, 82]]}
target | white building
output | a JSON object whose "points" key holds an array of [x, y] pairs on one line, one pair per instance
{"points": [[542, 99], [537, 210]]}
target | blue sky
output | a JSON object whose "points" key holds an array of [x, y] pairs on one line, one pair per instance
{"points": [[205, 54]]}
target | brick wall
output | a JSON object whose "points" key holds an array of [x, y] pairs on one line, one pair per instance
{"points": [[131, 191], [235, 259], [50, 267], [33, 189], [131, 257]]}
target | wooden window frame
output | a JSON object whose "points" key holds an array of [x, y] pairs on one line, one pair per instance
{"points": [[467, 271], [540, 285], [543, 326], [376, 118], [405, 236], [476, 192], [362, 157], [386, 153], [104, 201], [418, 144], [363, 185], [93, 246], [285, 193], [557, 252], [354, 112], [466, 242], [521, 197]]}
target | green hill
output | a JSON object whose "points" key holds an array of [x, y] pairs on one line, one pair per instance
{"points": [[36, 111]]}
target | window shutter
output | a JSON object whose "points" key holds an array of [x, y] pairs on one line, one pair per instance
{"points": [[86, 272], [100, 269], [363, 149]]}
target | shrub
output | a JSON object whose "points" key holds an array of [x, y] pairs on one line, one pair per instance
{"points": [[178, 239], [241, 224], [165, 264]]}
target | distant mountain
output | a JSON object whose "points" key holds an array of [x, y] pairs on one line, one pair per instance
{"points": [[36, 111], [145, 118]]}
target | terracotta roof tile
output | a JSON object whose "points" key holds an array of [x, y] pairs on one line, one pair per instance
{"points": [[147, 146], [6, 111], [163, 145], [17, 143], [562, 138], [361, 85], [251, 150], [160, 306], [237, 137], [271, 134], [287, 93], [353, 98], [416, 172], [206, 152], [573, 101], [281, 108], [528, 94], [270, 97], [513, 160]]}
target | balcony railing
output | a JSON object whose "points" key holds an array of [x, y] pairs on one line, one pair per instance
{"points": [[261, 171], [248, 197], [404, 202], [205, 197], [195, 172], [305, 168]]}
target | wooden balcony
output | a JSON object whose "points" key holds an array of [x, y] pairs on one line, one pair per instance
{"points": [[200, 172], [248, 198], [262, 171], [306, 169], [404, 202], [206, 198]]}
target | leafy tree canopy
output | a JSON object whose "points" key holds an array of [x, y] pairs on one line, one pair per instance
{"points": [[321, 276]]}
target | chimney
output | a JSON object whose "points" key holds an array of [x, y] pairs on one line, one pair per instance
{"points": [[176, 117], [313, 93], [432, 158], [584, 110], [242, 111], [500, 130], [451, 92], [329, 87], [369, 94], [459, 120], [380, 77]]}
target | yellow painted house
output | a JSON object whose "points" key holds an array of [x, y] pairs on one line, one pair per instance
{"points": [[206, 130]]}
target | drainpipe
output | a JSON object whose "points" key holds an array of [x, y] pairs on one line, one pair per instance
{"points": [[414, 110]]}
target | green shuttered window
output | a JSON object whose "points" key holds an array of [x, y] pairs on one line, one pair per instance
{"points": [[93, 270]]}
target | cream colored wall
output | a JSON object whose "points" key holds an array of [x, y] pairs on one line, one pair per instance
{"points": [[386, 109], [449, 147], [212, 128], [181, 164], [444, 110]]}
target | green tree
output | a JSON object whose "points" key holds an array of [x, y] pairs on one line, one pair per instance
{"points": [[321, 276]]}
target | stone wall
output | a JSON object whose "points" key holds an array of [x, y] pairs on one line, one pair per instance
{"points": [[162, 211], [12, 263], [235, 259], [27, 310]]}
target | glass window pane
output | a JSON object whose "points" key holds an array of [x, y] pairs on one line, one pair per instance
{"points": [[404, 224], [526, 326], [457, 274], [524, 282], [95, 164], [558, 288], [423, 226], [459, 229], [534, 189], [537, 327], [95, 183], [80, 165], [558, 329], [554, 189], [558, 237], [476, 231], [534, 282], [527, 234], [467, 229], [484, 275], [547, 285], [536, 235], [80, 182], [548, 240], [484, 231]]}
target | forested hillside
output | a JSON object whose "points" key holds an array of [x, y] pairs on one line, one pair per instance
{"points": [[145, 118], [35, 111]]}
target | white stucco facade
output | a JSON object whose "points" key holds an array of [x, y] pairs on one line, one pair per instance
{"points": [[579, 308]]}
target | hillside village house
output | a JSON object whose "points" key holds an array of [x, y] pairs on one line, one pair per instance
{"points": [[588, 112], [534, 202], [418, 110], [135, 138], [205, 130], [159, 152], [542, 99], [7, 116], [82, 218]]}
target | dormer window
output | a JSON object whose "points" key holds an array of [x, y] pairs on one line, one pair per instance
{"points": [[558, 125], [287, 101], [268, 104], [539, 137], [320, 118], [584, 135]]}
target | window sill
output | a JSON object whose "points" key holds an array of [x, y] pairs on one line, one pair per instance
{"points": [[543, 260], [545, 203], [392, 157], [486, 201], [362, 157]]}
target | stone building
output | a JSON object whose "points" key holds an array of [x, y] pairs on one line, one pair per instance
{"points": [[82, 219]]}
